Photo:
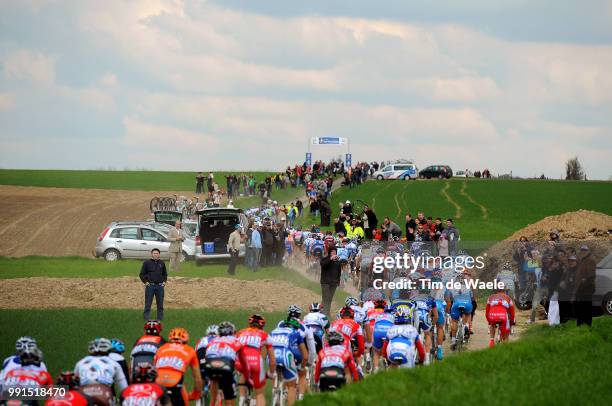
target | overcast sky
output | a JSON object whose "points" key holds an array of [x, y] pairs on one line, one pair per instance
{"points": [[187, 85]]}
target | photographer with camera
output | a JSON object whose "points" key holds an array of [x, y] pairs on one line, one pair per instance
{"points": [[330, 278]]}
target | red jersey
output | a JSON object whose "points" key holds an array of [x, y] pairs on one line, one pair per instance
{"points": [[350, 329], [143, 394], [72, 398], [499, 306], [29, 376], [337, 356], [371, 316], [254, 340]]}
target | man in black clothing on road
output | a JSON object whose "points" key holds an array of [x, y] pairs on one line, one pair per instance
{"points": [[153, 274], [330, 278]]}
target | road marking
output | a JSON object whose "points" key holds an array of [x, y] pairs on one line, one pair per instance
{"points": [[444, 192], [483, 209]]}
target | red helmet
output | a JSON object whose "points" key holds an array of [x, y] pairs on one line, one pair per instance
{"points": [[153, 327], [257, 320], [347, 312], [69, 379]]}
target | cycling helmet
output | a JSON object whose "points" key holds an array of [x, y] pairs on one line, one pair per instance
{"points": [[334, 338], [69, 379], [380, 303], [30, 355], [212, 330], [403, 315], [316, 307], [153, 327], [23, 342], [257, 320], [144, 373], [292, 322], [347, 312], [506, 266], [117, 345], [99, 346], [294, 311], [351, 301], [226, 329], [179, 334]]}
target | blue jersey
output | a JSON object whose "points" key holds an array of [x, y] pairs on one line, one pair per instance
{"points": [[342, 253], [402, 303], [462, 294], [402, 341], [351, 247], [317, 248], [287, 338], [424, 303]]}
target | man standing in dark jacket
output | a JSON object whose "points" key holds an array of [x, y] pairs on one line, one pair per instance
{"points": [[154, 276], [372, 222], [330, 278], [566, 289], [585, 287]]}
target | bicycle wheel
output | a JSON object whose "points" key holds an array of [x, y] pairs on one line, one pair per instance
{"points": [[459, 335]]}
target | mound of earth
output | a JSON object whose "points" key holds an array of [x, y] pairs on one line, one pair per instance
{"points": [[582, 227], [128, 293]]}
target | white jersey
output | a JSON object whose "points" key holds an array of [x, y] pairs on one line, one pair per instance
{"points": [[102, 370], [14, 362], [402, 339], [317, 320], [360, 314]]}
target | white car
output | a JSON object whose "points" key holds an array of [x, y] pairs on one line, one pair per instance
{"points": [[403, 171], [463, 174]]}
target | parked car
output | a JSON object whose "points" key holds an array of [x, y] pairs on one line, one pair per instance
{"points": [[403, 171], [436, 171], [215, 226], [602, 297], [191, 228], [463, 174], [135, 240]]}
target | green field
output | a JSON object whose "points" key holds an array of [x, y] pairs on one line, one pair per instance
{"points": [[123, 180], [483, 210], [565, 365]]}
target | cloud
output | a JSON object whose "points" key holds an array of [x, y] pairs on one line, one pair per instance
{"points": [[6, 101], [151, 136], [30, 66]]}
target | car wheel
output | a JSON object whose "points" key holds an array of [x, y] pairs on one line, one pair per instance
{"points": [[184, 257], [406, 177], [440, 176], [379, 177], [428, 176], [112, 255], [606, 304]]}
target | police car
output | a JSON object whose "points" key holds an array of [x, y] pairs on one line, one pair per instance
{"points": [[400, 170]]}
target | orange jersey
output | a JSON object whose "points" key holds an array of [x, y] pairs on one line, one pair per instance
{"points": [[171, 361]]}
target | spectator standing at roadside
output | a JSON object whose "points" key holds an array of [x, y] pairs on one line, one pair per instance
{"points": [[233, 247], [300, 207], [210, 184], [410, 227], [443, 246], [176, 238], [566, 289], [248, 251], [390, 229], [585, 287], [325, 209], [256, 247], [199, 183], [154, 276], [453, 236], [330, 278], [372, 222]]}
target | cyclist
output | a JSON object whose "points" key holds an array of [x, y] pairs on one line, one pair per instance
{"points": [[335, 362], [426, 310], [98, 373], [212, 331], [318, 323], [144, 391], [329, 242], [294, 311], [360, 314], [401, 340], [29, 373], [459, 305], [380, 320], [289, 351], [146, 347], [438, 296], [351, 330], [14, 361], [116, 354], [499, 312], [171, 362], [72, 397], [256, 340], [224, 355]]}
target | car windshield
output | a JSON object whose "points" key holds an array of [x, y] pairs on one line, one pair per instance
{"points": [[190, 229]]}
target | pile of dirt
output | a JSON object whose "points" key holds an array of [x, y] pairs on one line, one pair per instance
{"points": [[128, 293], [582, 227]]}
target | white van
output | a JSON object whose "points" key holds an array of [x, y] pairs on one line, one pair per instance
{"points": [[403, 171]]}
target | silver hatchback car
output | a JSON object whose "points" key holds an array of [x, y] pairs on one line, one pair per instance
{"points": [[136, 240]]}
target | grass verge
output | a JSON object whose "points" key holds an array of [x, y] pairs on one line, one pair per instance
{"points": [[562, 365]]}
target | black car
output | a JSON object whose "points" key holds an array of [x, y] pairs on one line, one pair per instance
{"points": [[436, 171]]}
